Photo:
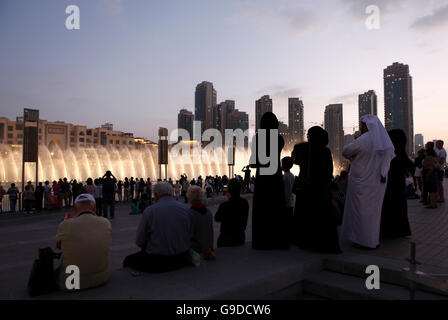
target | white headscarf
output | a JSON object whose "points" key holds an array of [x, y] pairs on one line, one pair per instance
{"points": [[381, 141]]}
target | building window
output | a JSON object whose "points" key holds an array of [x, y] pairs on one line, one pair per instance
{"points": [[20, 136], [81, 133], [72, 139], [9, 135], [95, 135], [81, 139], [111, 142], [19, 126], [9, 142], [95, 140], [89, 132], [9, 128], [72, 133], [117, 142]]}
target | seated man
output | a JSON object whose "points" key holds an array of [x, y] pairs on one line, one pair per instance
{"points": [[233, 215], [163, 235], [85, 241]]}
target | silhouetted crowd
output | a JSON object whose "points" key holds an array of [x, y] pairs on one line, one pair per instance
{"points": [[108, 191], [314, 211]]}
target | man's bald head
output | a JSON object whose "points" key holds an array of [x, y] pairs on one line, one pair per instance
{"points": [[85, 202], [83, 206]]}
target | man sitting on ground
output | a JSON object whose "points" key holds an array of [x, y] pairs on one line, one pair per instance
{"points": [[85, 242], [164, 234], [233, 215]]}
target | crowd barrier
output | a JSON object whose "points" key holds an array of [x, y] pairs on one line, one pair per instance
{"points": [[6, 203]]}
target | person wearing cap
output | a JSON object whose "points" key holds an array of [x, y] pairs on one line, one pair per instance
{"points": [[164, 234], [85, 242]]}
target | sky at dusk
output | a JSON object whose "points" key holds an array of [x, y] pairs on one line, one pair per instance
{"points": [[136, 63]]}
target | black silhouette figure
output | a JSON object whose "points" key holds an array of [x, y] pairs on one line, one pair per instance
{"points": [[314, 222], [269, 220], [394, 214]]}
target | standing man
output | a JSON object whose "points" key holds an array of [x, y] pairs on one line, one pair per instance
{"points": [[120, 191], [13, 193], [132, 187], [64, 191], [441, 158], [246, 171], [126, 189], [39, 196], [109, 182], [370, 157]]}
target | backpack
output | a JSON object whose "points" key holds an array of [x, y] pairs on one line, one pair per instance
{"points": [[41, 279]]}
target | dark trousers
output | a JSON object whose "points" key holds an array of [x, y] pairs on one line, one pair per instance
{"points": [[99, 206], [154, 263], [231, 240], [28, 205], [12, 203], [39, 203], [425, 189], [109, 202]]}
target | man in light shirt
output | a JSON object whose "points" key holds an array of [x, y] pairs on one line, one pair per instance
{"points": [[85, 242], [163, 235]]}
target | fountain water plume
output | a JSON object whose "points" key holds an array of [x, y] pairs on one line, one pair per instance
{"points": [[83, 163]]}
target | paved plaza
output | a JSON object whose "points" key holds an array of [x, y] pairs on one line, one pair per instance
{"points": [[237, 273]]}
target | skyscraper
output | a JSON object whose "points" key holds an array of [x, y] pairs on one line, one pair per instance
{"points": [[225, 109], [367, 104], [334, 126], [398, 105], [296, 120], [185, 121], [419, 142], [239, 120], [284, 131], [262, 105], [205, 101]]}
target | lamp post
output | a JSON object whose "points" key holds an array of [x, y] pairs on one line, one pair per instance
{"points": [[30, 140], [163, 151]]}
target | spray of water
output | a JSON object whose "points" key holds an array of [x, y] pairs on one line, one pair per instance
{"points": [[83, 163]]}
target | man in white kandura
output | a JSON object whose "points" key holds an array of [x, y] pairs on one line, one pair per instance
{"points": [[370, 157]]}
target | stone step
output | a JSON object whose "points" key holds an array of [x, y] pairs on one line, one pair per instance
{"points": [[391, 270], [336, 286]]}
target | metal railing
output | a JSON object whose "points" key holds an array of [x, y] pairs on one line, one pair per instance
{"points": [[6, 203], [435, 282]]}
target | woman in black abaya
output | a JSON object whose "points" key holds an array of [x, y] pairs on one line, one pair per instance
{"points": [[315, 225], [394, 215], [269, 221]]}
